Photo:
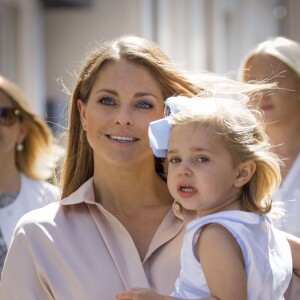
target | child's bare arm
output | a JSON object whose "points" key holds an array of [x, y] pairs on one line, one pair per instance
{"points": [[222, 262]]}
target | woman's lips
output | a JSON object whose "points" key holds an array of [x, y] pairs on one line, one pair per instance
{"points": [[122, 139]]}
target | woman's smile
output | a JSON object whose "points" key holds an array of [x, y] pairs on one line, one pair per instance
{"points": [[122, 139]]}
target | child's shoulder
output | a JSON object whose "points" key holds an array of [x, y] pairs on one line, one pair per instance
{"points": [[224, 218]]}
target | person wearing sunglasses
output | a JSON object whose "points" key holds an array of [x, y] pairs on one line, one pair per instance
{"points": [[28, 152]]}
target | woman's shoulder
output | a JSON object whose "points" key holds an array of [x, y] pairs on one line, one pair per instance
{"points": [[58, 211], [38, 216]]}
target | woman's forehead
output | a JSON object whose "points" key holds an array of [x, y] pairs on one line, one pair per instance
{"points": [[126, 73]]}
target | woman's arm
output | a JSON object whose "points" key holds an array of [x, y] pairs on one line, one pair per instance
{"points": [[20, 279]]}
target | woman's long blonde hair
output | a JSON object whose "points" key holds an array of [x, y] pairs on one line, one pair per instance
{"points": [[37, 160]]}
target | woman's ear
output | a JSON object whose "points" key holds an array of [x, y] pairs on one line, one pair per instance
{"points": [[81, 106], [245, 171]]}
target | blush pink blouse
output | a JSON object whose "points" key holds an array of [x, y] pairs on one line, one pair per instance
{"points": [[75, 249]]}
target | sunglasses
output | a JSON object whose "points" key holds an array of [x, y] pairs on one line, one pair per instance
{"points": [[9, 116]]}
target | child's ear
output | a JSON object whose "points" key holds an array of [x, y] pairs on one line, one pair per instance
{"points": [[245, 171]]}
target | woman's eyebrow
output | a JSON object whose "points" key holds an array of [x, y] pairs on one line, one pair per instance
{"points": [[138, 94], [141, 94], [107, 91]]}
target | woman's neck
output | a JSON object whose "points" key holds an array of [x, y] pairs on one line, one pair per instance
{"points": [[137, 197], [10, 181], [129, 189]]}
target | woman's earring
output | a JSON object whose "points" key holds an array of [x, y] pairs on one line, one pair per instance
{"points": [[20, 147]]}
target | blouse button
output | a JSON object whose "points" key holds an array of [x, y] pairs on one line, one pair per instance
{"points": [[177, 206]]}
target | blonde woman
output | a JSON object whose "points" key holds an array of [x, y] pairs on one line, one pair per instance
{"points": [[278, 60], [27, 156], [115, 227]]}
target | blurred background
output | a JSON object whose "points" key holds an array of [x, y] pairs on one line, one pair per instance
{"points": [[42, 42]]}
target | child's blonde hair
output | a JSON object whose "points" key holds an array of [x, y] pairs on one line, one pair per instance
{"points": [[241, 132]]}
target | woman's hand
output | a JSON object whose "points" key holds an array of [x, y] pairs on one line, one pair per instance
{"points": [[140, 294], [147, 294]]}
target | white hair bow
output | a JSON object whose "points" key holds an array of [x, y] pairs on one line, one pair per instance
{"points": [[159, 131]]}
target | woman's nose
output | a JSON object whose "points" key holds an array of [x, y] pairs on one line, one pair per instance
{"points": [[123, 117]]}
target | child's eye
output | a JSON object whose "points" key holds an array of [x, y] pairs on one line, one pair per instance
{"points": [[144, 105], [202, 159], [107, 101], [174, 160]]}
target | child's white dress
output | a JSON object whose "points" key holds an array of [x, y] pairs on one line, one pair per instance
{"points": [[266, 252]]}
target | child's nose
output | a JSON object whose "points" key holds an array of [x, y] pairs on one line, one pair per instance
{"points": [[185, 170]]}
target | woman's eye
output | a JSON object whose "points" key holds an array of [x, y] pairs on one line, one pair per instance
{"points": [[144, 105], [107, 101]]}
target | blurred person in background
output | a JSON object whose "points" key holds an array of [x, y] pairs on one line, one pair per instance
{"points": [[27, 157], [278, 60]]}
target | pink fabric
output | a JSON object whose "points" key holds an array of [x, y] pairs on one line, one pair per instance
{"points": [[75, 249]]}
